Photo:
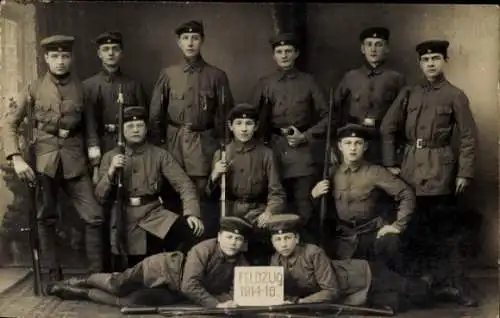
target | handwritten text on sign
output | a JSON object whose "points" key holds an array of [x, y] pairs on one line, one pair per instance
{"points": [[258, 285]]}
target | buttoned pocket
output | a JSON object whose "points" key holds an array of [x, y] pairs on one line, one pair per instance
{"points": [[443, 116]]}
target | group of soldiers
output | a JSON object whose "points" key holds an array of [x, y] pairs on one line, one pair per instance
{"points": [[393, 142]]}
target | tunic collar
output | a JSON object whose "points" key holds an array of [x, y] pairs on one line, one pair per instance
{"points": [[136, 150], [111, 77], [242, 147], [370, 71], [287, 74], [354, 167], [195, 65], [437, 84], [59, 80]]}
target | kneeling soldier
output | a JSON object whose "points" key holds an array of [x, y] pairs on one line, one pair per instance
{"points": [[310, 276], [254, 189], [363, 234], [156, 281], [145, 166]]}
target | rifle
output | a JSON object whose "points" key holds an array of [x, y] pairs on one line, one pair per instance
{"points": [[121, 233], [187, 311], [324, 205], [223, 157], [32, 229]]}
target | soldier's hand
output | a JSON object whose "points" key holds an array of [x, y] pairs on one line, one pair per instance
{"points": [[394, 170], [22, 169], [321, 188], [220, 167], [461, 185], [94, 154], [387, 229], [263, 218], [196, 225], [288, 302], [227, 304], [296, 138], [119, 161]]}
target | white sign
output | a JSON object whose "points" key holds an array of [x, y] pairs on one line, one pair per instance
{"points": [[258, 285]]}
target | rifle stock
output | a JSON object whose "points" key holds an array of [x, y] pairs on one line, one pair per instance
{"points": [[121, 239], [187, 311], [326, 164]]}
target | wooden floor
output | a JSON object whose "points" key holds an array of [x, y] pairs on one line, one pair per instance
{"points": [[19, 302]]}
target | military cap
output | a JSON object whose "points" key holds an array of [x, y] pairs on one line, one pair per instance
{"points": [[190, 27], [283, 39], [131, 113], [433, 46], [61, 43], [354, 130], [109, 37], [243, 111], [283, 223], [236, 225], [375, 32]]}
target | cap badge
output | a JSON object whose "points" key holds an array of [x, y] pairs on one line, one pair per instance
{"points": [[190, 29], [280, 232], [282, 42], [237, 231], [244, 115], [429, 51], [109, 41], [374, 35], [353, 134], [134, 117], [60, 49]]}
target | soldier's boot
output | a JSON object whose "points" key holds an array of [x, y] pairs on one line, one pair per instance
{"points": [[48, 247], [67, 292], [94, 247]]}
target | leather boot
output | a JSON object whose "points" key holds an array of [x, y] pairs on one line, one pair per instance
{"points": [[48, 251], [67, 292], [94, 247]]}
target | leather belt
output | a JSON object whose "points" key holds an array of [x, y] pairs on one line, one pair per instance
{"points": [[142, 200], [63, 133], [361, 226], [247, 199], [421, 143], [190, 126]]}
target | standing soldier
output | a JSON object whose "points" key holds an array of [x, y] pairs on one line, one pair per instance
{"points": [[145, 167], [102, 89], [362, 232], [190, 100], [426, 114], [64, 126], [364, 94], [293, 115]]}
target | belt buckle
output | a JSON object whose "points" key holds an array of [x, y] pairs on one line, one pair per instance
{"points": [[63, 133], [135, 201], [419, 143]]}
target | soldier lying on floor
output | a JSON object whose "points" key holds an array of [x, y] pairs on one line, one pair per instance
{"points": [[159, 280], [311, 277]]}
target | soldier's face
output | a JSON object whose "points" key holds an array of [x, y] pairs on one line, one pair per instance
{"points": [[243, 129], [432, 64], [375, 50], [285, 56], [190, 44], [59, 63], [110, 54], [230, 243], [285, 243], [352, 148], [134, 131]]}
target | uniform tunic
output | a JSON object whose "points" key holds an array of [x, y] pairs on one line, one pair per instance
{"points": [[368, 92], [209, 274], [252, 182], [101, 92], [356, 198], [292, 98], [429, 112], [143, 176], [190, 94], [58, 104], [311, 276], [308, 274]]}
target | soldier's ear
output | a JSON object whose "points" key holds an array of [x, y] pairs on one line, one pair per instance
{"points": [[362, 48], [297, 238], [230, 125]]}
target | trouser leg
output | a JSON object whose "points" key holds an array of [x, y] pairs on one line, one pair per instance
{"points": [[302, 187], [81, 193], [210, 214], [47, 220]]}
